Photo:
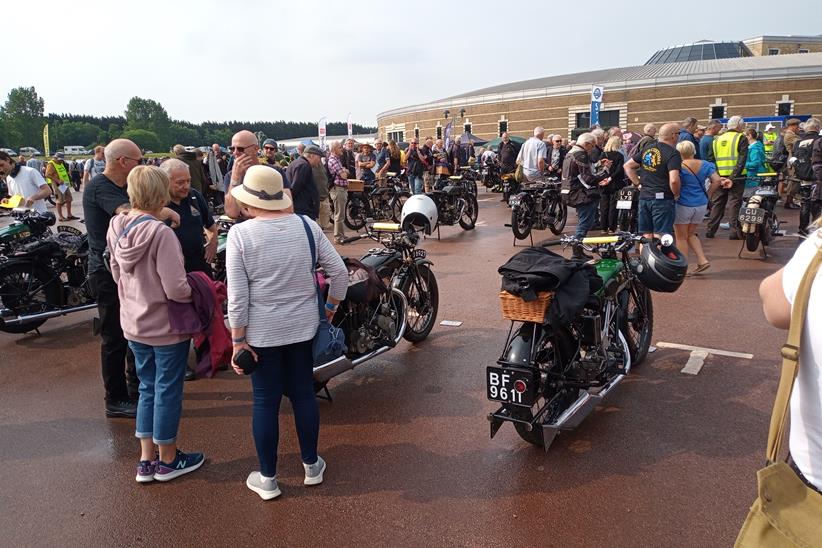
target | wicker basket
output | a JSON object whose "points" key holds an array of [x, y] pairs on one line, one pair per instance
{"points": [[516, 309], [355, 185]]}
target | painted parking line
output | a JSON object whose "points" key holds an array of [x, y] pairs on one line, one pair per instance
{"points": [[696, 360]]}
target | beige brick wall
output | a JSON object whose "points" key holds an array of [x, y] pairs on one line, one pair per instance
{"points": [[760, 47], [658, 105]]}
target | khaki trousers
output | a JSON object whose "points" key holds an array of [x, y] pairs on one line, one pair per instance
{"points": [[325, 214], [339, 196]]}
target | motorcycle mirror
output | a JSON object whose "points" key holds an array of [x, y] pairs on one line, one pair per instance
{"points": [[667, 240]]}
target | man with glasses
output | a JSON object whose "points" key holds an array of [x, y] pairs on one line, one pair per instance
{"points": [[104, 197], [272, 153], [416, 166], [244, 148], [556, 157]]}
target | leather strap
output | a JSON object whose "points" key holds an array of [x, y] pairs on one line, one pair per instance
{"points": [[790, 361]]}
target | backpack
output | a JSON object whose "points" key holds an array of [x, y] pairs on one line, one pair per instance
{"points": [[779, 155], [802, 151]]}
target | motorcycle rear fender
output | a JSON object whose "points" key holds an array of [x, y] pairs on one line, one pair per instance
{"points": [[518, 351]]}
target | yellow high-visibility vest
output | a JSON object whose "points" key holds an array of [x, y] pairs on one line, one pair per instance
{"points": [[726, 152], [61, 171], [769, 140]]}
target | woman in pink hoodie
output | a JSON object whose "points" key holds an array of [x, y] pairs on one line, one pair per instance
{"points": [[147, 265]]}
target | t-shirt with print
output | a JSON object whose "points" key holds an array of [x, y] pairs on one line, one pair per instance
{"points": [[530, 154], [806, 399], [655, 161], [95, 167], [693, 187], [26, 183], [101, 198]]}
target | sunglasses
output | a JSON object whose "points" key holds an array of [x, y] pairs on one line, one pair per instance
{"points": [[557, 141], [267, 148], [132, 159], [240, 149]]}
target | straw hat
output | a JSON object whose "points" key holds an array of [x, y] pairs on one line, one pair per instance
{"points": [[262, 188]]}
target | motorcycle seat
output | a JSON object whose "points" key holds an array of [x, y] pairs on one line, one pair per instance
{"points": [[456, 177], [452, 190]]}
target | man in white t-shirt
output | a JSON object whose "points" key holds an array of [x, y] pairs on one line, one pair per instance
{"points": [[777, 292], [26, 182], [94, 166], [532, 155]]}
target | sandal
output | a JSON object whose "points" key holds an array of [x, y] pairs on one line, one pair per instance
{"points": [[72, 218], [61, 219], [702, 267]]}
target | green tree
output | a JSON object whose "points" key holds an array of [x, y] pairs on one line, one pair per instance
{"points": [[146, 140], [23, 116], [73, 133], [183, 135], [149, 115]]}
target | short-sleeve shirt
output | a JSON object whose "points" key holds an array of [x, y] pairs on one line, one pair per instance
{"points": [[693, 187], [655, 161], [101, 198], [531, 152], [194, 217], [27, 183], [95, 167]]}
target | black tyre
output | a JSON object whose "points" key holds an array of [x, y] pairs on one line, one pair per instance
{"points": [[355, 212], [752, 240], [521, 220], [423, 299], [26, 289], [559, 212], [469, 217], [624, 220], [639, 322], [804, 216]]}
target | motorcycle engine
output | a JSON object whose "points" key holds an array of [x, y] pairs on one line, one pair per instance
{"points": [[379, 328]]}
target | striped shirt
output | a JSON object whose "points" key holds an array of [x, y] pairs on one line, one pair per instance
{"points": [[271, 289]]}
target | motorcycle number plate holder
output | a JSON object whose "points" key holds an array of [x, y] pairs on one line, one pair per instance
{"points": [[501, 385], [624, 204], [419, 254], [565, 191], [69, 230], [754, 215], [513, 201]]}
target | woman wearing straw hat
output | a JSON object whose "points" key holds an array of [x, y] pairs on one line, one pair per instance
{"points": [[272, 311]]}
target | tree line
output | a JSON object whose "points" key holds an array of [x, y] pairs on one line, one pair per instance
{"points": [[145, 122]]}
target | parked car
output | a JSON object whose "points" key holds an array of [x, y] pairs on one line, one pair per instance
{"points": [[74, 150], [30, 151], [8, 151]]}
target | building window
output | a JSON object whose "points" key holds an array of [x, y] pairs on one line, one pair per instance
{"points": [[773, 51], [417, 133], [503, 127], [396, 136], [607, 118], [717, 112], [804, 50], [467, 128], [783, 109], [583, 119], [439, 132]]}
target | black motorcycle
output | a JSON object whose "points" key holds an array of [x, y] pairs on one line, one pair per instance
{"points": [[29, 225], [44, 278], [470, 175], [549, 378], [381, 201], [455, 203], [392, 294], [810, 204], [628, 206], [490, 176], [538, 205], [758, 222]]}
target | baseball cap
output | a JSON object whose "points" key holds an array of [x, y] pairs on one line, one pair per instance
{"points": [[770, 126], [314, 149], [270, 142], [59, 155]]}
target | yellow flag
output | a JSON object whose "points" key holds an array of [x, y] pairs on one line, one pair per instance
{"points": [[46, 141]]}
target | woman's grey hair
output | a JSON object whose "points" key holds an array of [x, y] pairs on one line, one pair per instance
{"points": [[173, 164], [686, 149], [812, 124], [734, 122], [586, 139]]}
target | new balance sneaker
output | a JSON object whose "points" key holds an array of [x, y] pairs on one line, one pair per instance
{"points": [[314, 472], [183, 463], [266, 488], [146, 470]]}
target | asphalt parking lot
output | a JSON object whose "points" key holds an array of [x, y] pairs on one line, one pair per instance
{"points": [[669, 460]]}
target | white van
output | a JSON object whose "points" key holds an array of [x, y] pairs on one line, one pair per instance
{"points": [[30, 151], [74, 150]]}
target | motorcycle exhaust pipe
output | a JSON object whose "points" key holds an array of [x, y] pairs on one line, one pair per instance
{"points": [[8, 317], [327, 371]]}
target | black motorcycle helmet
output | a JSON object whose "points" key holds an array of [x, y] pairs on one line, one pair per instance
{"points": [[48, 218], [661, 268]]}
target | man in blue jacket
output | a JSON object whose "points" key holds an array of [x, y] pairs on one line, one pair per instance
{"points": [[687, 134]]}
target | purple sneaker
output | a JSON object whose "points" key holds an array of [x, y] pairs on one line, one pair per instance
{"points": [[146, 470], [183, 464]]}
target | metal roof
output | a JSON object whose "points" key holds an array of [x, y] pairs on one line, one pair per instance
{"points": [[769, 67], [699, 51]]}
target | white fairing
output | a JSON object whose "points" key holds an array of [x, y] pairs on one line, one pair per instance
{"points": [[419, 211]]}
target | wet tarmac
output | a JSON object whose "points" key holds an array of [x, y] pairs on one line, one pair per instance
{"points": [[668, 460]]}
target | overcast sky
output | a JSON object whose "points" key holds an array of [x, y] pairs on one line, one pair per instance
{"points": [[301, 60]]}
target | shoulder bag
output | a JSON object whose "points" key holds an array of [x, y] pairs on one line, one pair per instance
{"points": [[787, 511], [329, 342]]}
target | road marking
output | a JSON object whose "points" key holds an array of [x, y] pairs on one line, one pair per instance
{"points": [[485, 200], [480, 223], [714, 351], [695, 362], [450, 323]]}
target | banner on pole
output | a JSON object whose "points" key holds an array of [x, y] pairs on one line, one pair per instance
{"points": [[596, 102], [46, 141], [350, 126], [321, 132]]}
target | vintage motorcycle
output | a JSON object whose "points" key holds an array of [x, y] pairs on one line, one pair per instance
{"points": [[628, 207], [452, 201], [550, 377], [757, 218], [810, 204], [538, 205], [392, 294], [29, 225], [490, 176], [381, 201], [44, 278]]}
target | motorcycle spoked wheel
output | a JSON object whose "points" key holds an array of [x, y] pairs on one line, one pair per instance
{"points": [[639, 322], [396, 212], [26, 289], [423, 299], [355, 212], [469, 216], [521, 220], [559, 212], [752, 239]]}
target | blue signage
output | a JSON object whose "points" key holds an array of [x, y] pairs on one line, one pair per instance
{"points": [[595, 105]]}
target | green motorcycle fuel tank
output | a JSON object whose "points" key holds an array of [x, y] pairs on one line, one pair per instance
{"points": [[608, 270], [14, 232]]}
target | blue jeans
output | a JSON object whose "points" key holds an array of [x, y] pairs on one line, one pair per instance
{"points": [[284, 370], [415, 182], [586, 217], [161, 370], [656, 216]]}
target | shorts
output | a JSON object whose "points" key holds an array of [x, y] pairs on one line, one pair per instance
{"points": [[656, 216], [686, 215], [63, 197]]}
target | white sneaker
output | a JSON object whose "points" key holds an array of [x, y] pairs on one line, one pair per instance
{"points": [[314, 472], [266, 488]]}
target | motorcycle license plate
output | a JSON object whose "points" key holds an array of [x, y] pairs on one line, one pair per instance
{"points": [[514, 201], [624, 204], [418, 254], [511, 385], [565, 191], [754, 215]]}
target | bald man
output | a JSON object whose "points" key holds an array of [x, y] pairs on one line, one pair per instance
{"points": [[104, 197], [244, 148], [658, 163]]}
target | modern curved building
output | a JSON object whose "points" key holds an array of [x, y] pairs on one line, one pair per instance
{"points": [[763, 77]]}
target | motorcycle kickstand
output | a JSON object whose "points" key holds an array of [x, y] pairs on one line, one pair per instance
{"points": [[327, 396]]}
